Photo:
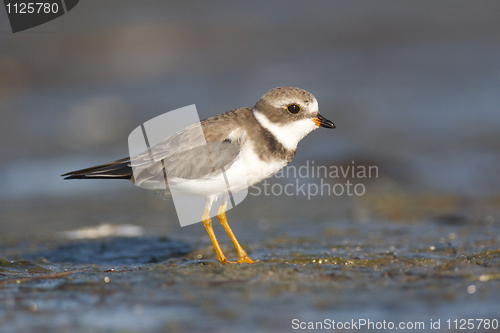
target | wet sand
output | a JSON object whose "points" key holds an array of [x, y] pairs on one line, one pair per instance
{"points": [[318, 259]]}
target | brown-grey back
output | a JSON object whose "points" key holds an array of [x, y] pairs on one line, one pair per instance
{"points": [[194, 152]]}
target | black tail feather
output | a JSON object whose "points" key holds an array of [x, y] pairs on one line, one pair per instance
{"points": [[115, 170]]}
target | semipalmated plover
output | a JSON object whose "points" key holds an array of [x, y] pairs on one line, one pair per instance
{"points": [[263, 139]]}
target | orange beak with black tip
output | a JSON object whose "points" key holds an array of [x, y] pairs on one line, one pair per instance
{"points": [[323, 122]]}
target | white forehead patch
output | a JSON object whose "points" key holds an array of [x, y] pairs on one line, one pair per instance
{"points": [[314, 105], [289, 134]]}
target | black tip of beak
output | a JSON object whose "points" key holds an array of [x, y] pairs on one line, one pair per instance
{"points": [[323, 122]]}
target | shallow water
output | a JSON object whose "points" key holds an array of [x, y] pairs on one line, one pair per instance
{"points": [[312, 266]]}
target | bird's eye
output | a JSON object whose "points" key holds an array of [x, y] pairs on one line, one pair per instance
{"points": [[293, 108]]}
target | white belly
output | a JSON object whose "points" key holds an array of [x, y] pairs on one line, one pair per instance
{"points": [[247, 170], [257, 169]]}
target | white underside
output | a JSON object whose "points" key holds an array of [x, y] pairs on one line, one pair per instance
{"points": [[247, 170]]}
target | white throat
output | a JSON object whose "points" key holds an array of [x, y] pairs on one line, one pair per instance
{"points": [[289, 135]]}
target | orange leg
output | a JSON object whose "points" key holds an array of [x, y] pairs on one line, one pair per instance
{"points": [[242, 256], [207, 222]]}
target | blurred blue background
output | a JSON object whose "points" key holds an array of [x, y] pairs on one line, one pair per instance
{"points": [[413, 86]]}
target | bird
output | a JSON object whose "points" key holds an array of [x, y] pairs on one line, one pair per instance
{"points": [[261, 140]]}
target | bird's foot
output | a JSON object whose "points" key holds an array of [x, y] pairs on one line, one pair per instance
{"points": [[245, 258], [225, 261]]}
